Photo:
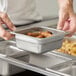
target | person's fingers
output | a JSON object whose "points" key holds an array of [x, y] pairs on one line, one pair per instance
{"points": [[1, 22], [60, 24], [7, 21], [72, 28], [66, 26], [5, 34], [62, 18]]}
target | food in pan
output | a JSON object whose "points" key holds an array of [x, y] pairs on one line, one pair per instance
{"points": [[40, 34], [68, 47]]}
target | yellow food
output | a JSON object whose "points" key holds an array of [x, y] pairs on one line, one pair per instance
{"points": [[68, 47]]}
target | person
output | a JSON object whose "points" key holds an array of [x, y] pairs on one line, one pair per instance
{"points": [[20, 11], [16, 12]]}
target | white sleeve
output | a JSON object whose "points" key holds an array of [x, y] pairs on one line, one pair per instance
{"points": [[3, 5]]}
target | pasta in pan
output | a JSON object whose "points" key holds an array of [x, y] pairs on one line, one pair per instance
{"points": [[68, 47]]}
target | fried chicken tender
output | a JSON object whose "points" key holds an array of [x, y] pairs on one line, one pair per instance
{"points": [[40, 34]]}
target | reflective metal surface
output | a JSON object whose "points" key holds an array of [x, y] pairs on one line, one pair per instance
{"points": [[68, 68], [37, 63]]}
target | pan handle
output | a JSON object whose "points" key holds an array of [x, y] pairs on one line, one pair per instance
{"points": [[67, 33], [13, 33]]}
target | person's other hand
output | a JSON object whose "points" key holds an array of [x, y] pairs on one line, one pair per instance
{"points": [[4, 19], [67, 22], [67, 18]]}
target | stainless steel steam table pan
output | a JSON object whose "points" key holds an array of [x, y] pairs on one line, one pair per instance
{"points": [[39, 45], [68, 68], [73, 38]]}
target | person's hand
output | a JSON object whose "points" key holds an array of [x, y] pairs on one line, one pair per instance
{"points": [[67, 22], [67, 18], [4, 19]]}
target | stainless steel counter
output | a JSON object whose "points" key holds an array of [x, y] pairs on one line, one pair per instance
{"points": [[34, 62], [37, 63]]}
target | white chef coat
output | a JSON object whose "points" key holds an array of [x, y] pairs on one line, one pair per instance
{"points": [[21, 11]]}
